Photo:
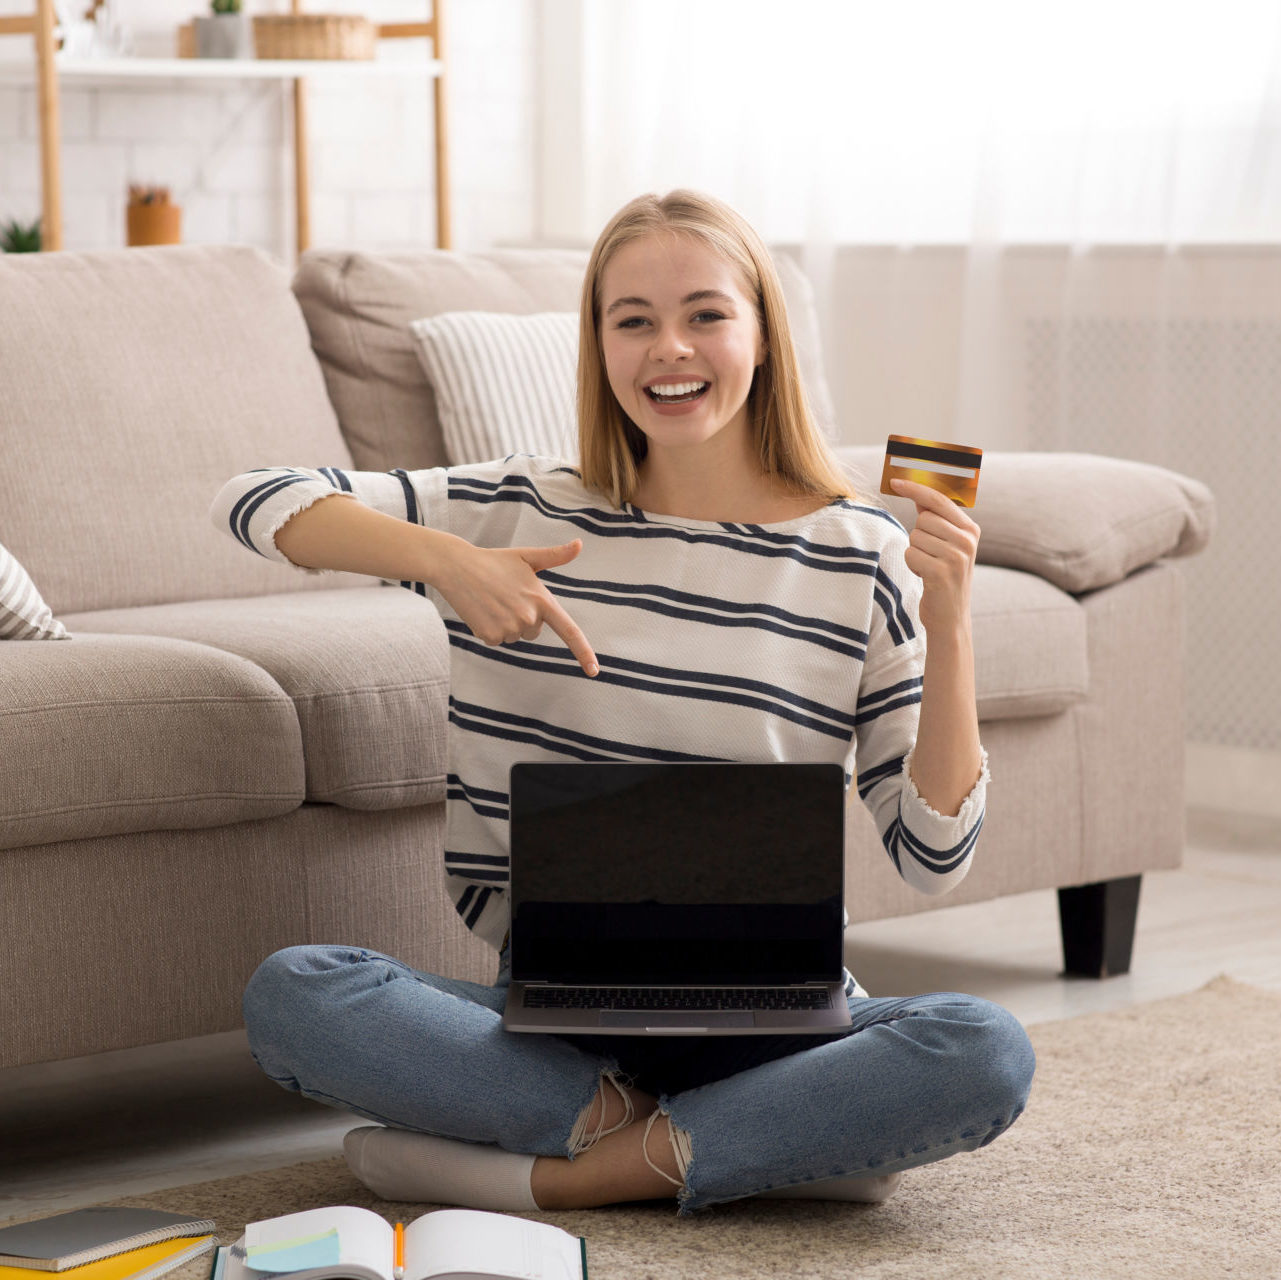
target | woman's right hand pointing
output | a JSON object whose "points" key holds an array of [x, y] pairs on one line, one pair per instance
{"points": [[498, 594]]}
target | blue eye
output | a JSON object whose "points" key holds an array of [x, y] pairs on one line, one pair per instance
{"points": [[631, 322], [709, 315]]}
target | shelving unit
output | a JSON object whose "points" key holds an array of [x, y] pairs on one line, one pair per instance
{"points": [[50, 68]]}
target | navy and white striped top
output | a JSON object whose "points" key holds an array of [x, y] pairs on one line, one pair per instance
{"points": [[791, 641]]}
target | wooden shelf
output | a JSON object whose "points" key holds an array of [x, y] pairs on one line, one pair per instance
{"points": [[114, 70], [50, 68]]}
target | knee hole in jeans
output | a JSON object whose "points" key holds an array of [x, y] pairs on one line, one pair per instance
{"points": [[585, 1135]]}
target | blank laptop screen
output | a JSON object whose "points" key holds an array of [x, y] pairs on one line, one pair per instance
{"points": [[685, 873]]}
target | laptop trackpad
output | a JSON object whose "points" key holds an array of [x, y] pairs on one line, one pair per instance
{"points": [[656, 1019]]}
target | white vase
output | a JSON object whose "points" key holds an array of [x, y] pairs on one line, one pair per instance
{"points": [[224, 35]]}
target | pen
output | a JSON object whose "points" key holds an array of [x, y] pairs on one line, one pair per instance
{"points": [[398, 1262]]}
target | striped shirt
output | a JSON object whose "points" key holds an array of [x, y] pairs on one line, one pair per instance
{"points": [[795, 641]]}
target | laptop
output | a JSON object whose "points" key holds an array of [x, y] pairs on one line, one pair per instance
{"points": [[677, 899]]}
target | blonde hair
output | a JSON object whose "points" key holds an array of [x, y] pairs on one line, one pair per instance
{"points": [[789, 444]]}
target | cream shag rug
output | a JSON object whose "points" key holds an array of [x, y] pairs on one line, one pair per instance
{"points": [[1150, 1148]]}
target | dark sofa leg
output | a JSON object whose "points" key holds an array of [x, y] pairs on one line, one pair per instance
{"points": [[1097, 923]]}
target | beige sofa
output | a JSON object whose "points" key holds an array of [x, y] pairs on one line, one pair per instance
{"points": [[230, 756]]}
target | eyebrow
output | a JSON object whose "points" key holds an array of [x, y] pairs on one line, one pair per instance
{"points": [[699, 295]]}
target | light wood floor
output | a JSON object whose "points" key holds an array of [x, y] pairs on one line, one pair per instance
{"points": [[125, 1123]]}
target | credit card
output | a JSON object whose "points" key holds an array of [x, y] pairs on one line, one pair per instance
{"points": [[952, 469]]}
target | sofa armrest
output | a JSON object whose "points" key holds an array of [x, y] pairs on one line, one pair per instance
{"points": [[1081, 521]]}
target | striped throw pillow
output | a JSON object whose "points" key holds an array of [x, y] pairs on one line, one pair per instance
{"points": [[504, 383], [23, 612]]}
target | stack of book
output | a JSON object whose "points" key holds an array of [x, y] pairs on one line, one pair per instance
{"points": [[104, 1244]]}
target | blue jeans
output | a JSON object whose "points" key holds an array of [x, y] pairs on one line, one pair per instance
{"points": [[913, 1080]]}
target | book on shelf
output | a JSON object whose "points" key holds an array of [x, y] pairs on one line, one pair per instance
{"points": [[85, 1235], [346, 1243], [148, 1263]]}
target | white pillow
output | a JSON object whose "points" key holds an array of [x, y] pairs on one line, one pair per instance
{"points": [[504, 383], [23, 612]]}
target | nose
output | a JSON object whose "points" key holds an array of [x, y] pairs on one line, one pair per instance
{"points": [[669, 343]]}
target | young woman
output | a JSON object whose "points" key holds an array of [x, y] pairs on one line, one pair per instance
{"points": [[701, 585]]}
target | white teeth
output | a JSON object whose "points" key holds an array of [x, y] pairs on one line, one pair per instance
{"points": [[677, 389]]}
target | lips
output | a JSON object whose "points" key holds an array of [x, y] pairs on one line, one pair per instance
{"points": [[676, 392]]}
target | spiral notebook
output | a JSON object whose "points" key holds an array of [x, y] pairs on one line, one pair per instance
{"points": [[82, 1236]]}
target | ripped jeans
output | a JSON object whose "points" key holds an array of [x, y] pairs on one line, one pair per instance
{"points": [[914, 1079]]}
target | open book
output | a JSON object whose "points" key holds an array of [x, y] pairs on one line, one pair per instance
{"points": [[346, 1243]]}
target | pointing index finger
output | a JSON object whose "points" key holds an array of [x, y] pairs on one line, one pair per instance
{"points": [[570, 632]]}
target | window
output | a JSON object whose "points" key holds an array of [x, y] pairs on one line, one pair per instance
{"points": [[928, 121]]}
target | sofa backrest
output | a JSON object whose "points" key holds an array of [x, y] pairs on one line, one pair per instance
{"points": [[133, 383], [359, 307]]}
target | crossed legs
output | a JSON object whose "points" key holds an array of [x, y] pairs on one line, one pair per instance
{"points": [[915, 1080]]}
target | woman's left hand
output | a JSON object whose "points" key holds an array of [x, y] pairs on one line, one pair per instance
{"points": [[943, 547]]}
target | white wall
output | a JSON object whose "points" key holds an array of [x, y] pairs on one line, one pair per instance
{"points": [[224, 148]]}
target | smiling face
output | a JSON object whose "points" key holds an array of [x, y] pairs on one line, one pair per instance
{"points": [[680, 340]]}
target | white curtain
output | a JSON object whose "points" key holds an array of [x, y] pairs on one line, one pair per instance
{"points": [[1029, 225], [935, 121]]}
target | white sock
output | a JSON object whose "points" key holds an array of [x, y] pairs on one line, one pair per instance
{"points": [[399, 1165], [867, 1190]]}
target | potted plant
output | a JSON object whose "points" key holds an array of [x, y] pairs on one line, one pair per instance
{"points": [[225, 33], [150, 217], [20, 237]]}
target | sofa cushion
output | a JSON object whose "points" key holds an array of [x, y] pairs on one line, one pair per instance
{"points": [[503, 384], [111, 734], [136, 381], [1030, 656], [359, 307], [1109, 516], [367, 672]]}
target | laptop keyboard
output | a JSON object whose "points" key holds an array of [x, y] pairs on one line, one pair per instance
{"points": [[700, 1000]]}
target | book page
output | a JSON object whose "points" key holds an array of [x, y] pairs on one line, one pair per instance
{"points": [[365, 1241], [468, 1242]]}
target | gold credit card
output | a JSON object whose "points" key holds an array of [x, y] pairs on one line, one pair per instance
{"points": [[952, 469]]}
